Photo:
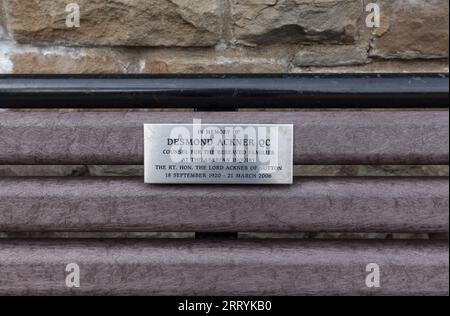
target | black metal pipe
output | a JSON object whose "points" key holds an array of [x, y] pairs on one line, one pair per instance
{"points": [[225, 91]]}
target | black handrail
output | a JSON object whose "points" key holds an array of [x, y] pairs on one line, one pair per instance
{"points": [[225, 91]]}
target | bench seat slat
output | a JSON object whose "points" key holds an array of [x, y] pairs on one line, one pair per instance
{"points": [[310, 205], [333, 137], [224, 268]]}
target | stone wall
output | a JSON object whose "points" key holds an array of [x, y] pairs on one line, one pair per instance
{"points": [[223, 36]]}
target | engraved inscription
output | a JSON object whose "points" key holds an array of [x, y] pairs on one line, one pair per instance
{"points": [[218, 153]]}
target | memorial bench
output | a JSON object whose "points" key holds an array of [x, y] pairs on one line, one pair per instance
{"points": [[400, 134]]}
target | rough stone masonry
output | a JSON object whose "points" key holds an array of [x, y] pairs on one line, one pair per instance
{"points": [[223, 36]]}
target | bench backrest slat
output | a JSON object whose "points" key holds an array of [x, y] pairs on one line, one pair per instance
{"points": [[349, 137], [316, 204], [225, 268]]}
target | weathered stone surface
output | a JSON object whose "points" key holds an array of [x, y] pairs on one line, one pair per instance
{"points": [[313, 59], [223, 36], [213, 61], [215, 65], [118, 22], [29, 63], [3, 33], [58, 64], [384, 66], [331, 55], [5, 62], [295, 21], [412, 29], [24, 59]]}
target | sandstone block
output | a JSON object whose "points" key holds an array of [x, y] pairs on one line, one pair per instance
{"points": [[412, 29], [212, 61], [117, 22], [25, 59], [334, 55], [295, 21]]}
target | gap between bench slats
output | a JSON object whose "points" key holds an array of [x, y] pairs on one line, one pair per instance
{"points": [[310, 205], [224, 268], [341, 137]]}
